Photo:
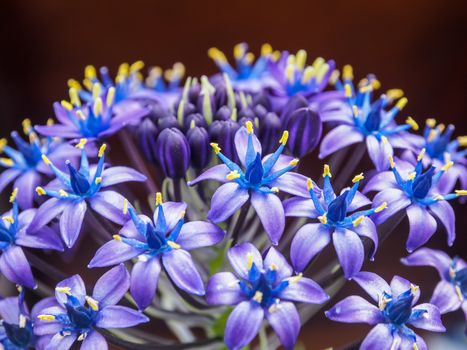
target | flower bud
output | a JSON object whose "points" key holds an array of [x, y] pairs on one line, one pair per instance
{"points": [[294, 103], [223, 113], [146, 135], [173, 152], [223, 132], [270, 131], [262, 99], [167, 122], [305, 127], [198, 139], [197, 118]]}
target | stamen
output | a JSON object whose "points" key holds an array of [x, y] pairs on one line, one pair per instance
{"points": [[394, 94], [66, 290], [430, 122], [414, 288], [421, 154], [215, 147], [3, 143], [74, 98], [441, 128], [8, 219], [22, 321], [136, 66], [81, 143], [284, 137], [80, 114], [384, 139], [117, 237], [258, 297], [294, 162], [323, 219], [289, 73], [98, 180], [72, 83], [249, 261], [431, 135], [266, 49], [82, 336], [158, 198], [90, 72], [355, 110], [274, 189], [447, 166], [459, 293], [309, 184], [357, 178], [46, 160], [97, 108], [13, 195], [410, 121], [40, 191], [62, 193], [381, 207], [415, 347], [358, 221], [67, 105], [93, 303], [301, 59], [26, 125], [125, 206], [173, 245], [462, 141], [102, 150], [326, 171], [233, 175], [7, 161], [391, 162], [110, 96], [308, 74], [401, 103], [383, 301], [347, 72], [273, 267], [411, 176], [249, 127], [334, 76], [46, 317], [348, 90], [295, 279], [461, 192]]}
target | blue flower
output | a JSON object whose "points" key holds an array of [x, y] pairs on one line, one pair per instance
{"points": [[168, 239], [259, 180], [332, 212], [395, 312], [71, 192], [73, 315], [264, 289]]}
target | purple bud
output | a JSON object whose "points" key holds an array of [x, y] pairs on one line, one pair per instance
{"points": [[305, 127], [294, 103], [197, 118], [262, 99], [198, 139], [193, 93], [146, 135], [173, 152], [246, 114], [167, 122], [270, 131], [223, 113], [260, 111], [223, 133]]}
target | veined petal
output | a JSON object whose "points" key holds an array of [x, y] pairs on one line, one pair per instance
{"points": [[48, 211], [144, 278], [349, 249], [118, 174], [373, 284], [117, 316], [44, 238], [241, 144], [197, 234], [379, 152], [94, 341], [112, 286], [429, 257], [380, 337], [271, 213], [109, 204], [60, 342], [26, 184], [338, 138], [367, 228], [15, 267], [300, 207], [43, 304], [277, 260], [304, 290], [226, 201], [292, 183], [8, 176], [172, 213], [243, 324], [379, 182], [224, 289], [77, 288], [239, 258], [445, 297], [215, 173], [396, 200], [400, 285], [309, 240], [285, 321], [422, 227], [71, 221], [112, 253], [359, 200], [444, 212], [431, 319], [355, 309]]}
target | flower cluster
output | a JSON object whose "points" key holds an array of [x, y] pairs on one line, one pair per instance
{"points": [[210, 261]]}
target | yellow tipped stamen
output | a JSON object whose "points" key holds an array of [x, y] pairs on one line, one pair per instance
{"points": [[258, 297], [326, 171], [249, 58], [431, 135], [249, 127], [355, 110], [117, 237], [383, 301], [125, 206], [109, 100], [74, 98], [3, 143], [249, 261], [274, 189], [123, 69], [394, 94], [233, 175], [26, 125], [323, 219], [93, 303], [309, 184], [358, 221], [375, 84], [347, 72], [384, 139], [80, 114], [173, 245], [7, 162], [67, 105], [411, 176], [46, 160], [295, 279], [273, 267], [276, 55], [266, 49], [366, 88], [294, 162], [217, 55], [308, 74], [81, 143], [381, 207], [97, 107], [421, 154], [391, 162], [72, 83], [414, 288], [289, 73], [334, 76], [459, 293], [215, 147], [461, 192], [137, 66], [430, 122], [192, 124], [82, 336], [158, 198], [13, 195], [46, 317], [40, 191], [301, 59], [62, 193], [239, 51], [284, 137], [22, 321], [98, 180], [357, 178], [447, 166], [410, 121], [441, 128], [90, 72], [8, 219], [401, 103], [462, 141], [102, 150], [348, 90], [66, 290]]}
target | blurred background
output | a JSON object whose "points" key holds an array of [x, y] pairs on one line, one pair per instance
{"points": [[419, 46]]}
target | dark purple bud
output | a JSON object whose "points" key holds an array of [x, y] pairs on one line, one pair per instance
{"points": [[197, 118], [294, 103], [223, 113], [270, 130], [223, 132], [220, 96], [305, 127], [173, 153], [188, 108], [246, 114], [198, 139], [260, 111], [167, 122], [193, 93], [262, 99], [146, 135]]}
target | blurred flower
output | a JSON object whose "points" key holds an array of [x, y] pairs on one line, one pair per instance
{"points": [[266, 289], [167, 238], [173, 153], [73, 315], [395, 312], [331, 211], [71, 192]]}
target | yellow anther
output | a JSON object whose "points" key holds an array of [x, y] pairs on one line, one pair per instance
{"points": [[439, 198], [249, 261], [284, 137], [215, 147], [182, 214], [274, 189], [22, 321], [431, 135], [294, 162], [3, 143], [125, 206], [348, 90], [365, 88], [461, 192], [414, 288], [273, 267], [80, 114], [411, 176], [421, 154], [81, 143], [233, 175], [123, 69], [90, 72], [326, 171], [217, 55], [266, 49], [447, 166], [301, 59], [62, 193], [110, 96], [249, 127], [7, 162], [347, 72], [441, 128], [410, 121], [93, 303], [358, 177], [430, 122], [46, 160], [401, 103], [46, 317], [158, 198], [66, 290], [383, 301], [391, 162], [355, 110], [67, 105], [334, 76], [309, 184], [308, 74], [97, 107], [74, 98], [136, 66], [173, 245], [323, 219], [249, 58], [102, 150], [239, 51], [381, 207], [295, 279], [258, 297], [40, 191], [459, 293], [72, 83], [358, 221], [98, 180], [414, 345], [394, 94], [26, 125], [82, 336], [462, 141], [8, 219], [290, 72], [276, 55], [13, 195], [117, 237]]}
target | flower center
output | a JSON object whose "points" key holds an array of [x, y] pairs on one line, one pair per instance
{"points": [[19, 336], [460, 279], [422, 183], [399, 310], [373, 120], [156, 239], [338, 208], [79, 182], [30, 151], [81, 317], [254, 172]]}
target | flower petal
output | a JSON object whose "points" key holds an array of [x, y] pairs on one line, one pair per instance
{"points": [[381, 181], [215, 173], [226, 201], [275, 258], [380, 337], [243, 324], [396, 200], [173, 211], [9, 310], [224, 289], [111, 286], [431, 319], [445, 297], [58, 130], [309, 240], [94, 341], [109, 204], [400, 285], [304, 290], [112, 253], [445, 213], [379, 152], [355, 309], [44, 238], [271, 213], [241, 144], [60, 342], [292, 183], [285, 321], [15, 267], [349, 249], [300, 207], [422, 227], [429, 257], [359, 200], [77, 288], [144, 278], [182, 271], [367, 228], [338, 138], [197, 234], [26, 185], [117, 316], [373, 284], [118, 174], [48, 211], [71, 221], [238, 258], [8, 176]]}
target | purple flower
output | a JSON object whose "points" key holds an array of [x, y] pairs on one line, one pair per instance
{"points": [[331, 211], [451, 292], [71, 193], [24, 164], [13, 226], [391, 318], [259, 182], [364, 120], [167, 238], [73, 315], [411, 189], [264, 289]]}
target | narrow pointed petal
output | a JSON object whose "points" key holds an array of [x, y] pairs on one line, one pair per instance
{"points": [[112, 253], [144, 278], [109, 204], [359, 200], [26, 185], [243, 325], [381, 181], [15, 267], [94, 341], [349, 249], [197, 234], [292, 183], [338, 138], [78, 289], [373, 284], [65, 131], [379, 152], [71, 221], [60, 342], [429, 257], [238, 258], [309, 240], [431, 319], [216, 173], [355, 309], [7, 176], [9, 311], [44, 238], [276, 259], [396, 200], [271, 213], [48, 211], [117, 316], [367, 228], [300, 207], [43, 304], [226, 201], [285, 321], [305, 290], [445, 213], [422, 227], [445, 297], [112, 286], [224, 289], [400, 285], [380, 337], [182, 271], [119, 174], [241, 144]]}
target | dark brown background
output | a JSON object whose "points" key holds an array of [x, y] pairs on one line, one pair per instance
{"points": [[419, 46]]}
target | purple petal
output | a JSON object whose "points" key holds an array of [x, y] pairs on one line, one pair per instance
{"points": [[129, 230], [112, 286], [338, 138], [422, 227], [144, 278], [9, 310], [309, 240], [109, 204], [445, 297], [78, 289], [243, 324], [396, 200], [238, 258], [42, 328], [112, 253], [355, 309], [304, 290], [8, 176], [379, 152], [367, 229], [197, 234], [94, 341], [430, 257], [431, 319], [349, 249], [71, 221], [215, 173], [371, 283], [400, 285], [359, 200], [300, 207], [182, 271], [65, 131], [276, 259], [117, 316], [172, 213], [224, 289], [292, 183], [43, 304], [380, 337], [15, 267], [285, 321], [241, 144], [48, 211], [44, 238], [25, 218], [119, 174], [382, 181], [26, 185], [444, 212], [226, 201], [60, 342], [271, 213], [43, 342]]}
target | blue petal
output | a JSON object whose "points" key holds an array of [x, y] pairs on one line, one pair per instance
{"points": [[112, 286], [117, 316], [243, 325]]}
